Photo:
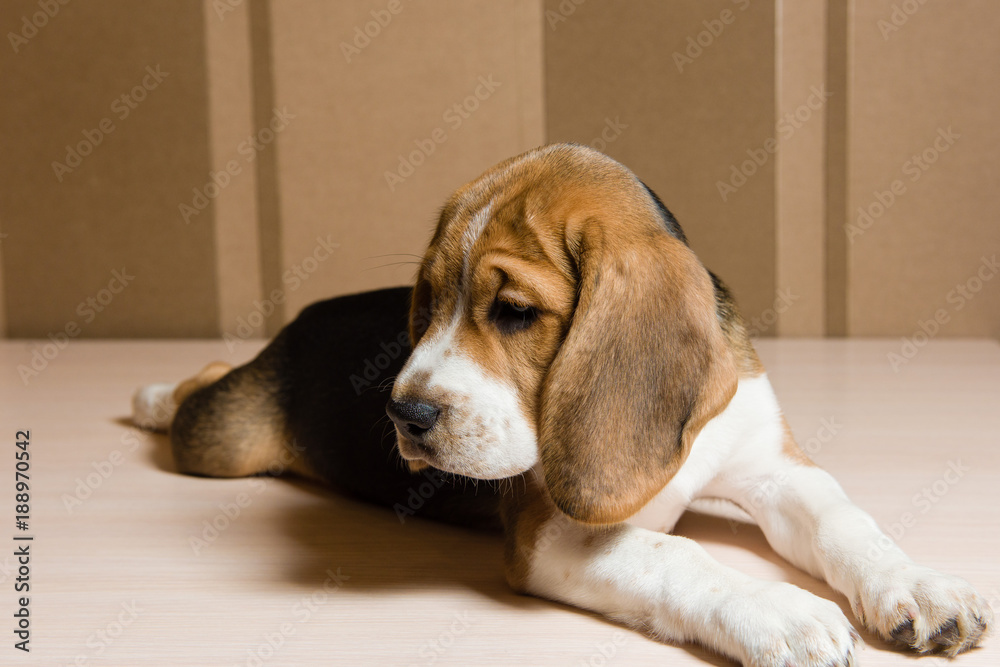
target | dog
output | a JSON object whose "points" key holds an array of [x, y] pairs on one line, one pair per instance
{"points": [[564, 333]]}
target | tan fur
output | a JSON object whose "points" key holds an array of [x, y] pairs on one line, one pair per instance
{"points": [[208, 375], [229, 423], [524, 516], [791, 449]]}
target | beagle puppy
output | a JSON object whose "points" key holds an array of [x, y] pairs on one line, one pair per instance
{"points": [[564, 332]]}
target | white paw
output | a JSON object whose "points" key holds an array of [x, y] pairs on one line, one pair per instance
{"points": [[778, 624], [153, 406], [923, 610]]}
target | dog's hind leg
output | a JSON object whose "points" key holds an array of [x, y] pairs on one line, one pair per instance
{"points": [[210, 374], [154, 405], [231, 422], [225, 421]]}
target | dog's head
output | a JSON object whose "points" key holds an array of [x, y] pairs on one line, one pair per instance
{"points": [[559, 318]]}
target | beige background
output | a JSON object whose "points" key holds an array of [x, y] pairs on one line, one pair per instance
{"points": [[311, 215]]}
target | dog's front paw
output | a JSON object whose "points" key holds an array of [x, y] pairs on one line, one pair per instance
{"points": [[924, 610], [778, 624]]}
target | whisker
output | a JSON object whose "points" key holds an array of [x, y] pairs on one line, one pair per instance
{"points": [[380, 420], [384, 266], [524, 480], [396, 254], [378, 387], [399, 458], [382, 385]]}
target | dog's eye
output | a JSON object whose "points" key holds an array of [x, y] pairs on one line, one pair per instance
{"points": [[510, 317]]}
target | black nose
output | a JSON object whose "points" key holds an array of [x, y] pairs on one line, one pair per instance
{"points": [[413, 418]]}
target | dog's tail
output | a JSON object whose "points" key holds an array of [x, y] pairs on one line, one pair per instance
{"points": [[154, 407]]}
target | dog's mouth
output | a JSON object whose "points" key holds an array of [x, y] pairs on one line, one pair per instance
{"points": [[412, 450]]}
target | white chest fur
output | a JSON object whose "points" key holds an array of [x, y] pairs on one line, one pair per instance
{"points": [[750, 424]]}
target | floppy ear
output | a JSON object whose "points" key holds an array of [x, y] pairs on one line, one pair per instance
{"points": [[643, 368]]}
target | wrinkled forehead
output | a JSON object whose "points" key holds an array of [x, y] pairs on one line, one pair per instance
{"points": [[523, 209], [512, 223]]}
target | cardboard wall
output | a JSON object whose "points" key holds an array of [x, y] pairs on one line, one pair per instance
{"points": [[923, 149], [312, 144], [104, 132], [385, 127]]}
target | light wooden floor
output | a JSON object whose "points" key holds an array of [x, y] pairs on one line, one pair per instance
{"points": [[328, 581]]}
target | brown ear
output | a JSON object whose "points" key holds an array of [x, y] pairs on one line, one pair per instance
{"points": [[643, 368]]}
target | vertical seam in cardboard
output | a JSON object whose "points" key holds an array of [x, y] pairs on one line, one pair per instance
{"points": [[836, 255], [800, 217], [230, 102], [268, 202]]}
